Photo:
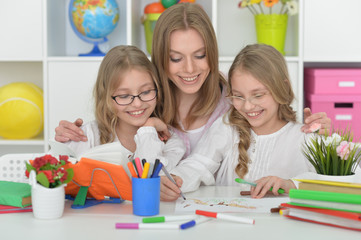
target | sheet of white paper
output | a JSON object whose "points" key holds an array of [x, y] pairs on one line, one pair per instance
{"points": [[219, 204]]}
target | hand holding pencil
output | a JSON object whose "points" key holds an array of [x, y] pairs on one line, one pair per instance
{"points": [[168, 190]]}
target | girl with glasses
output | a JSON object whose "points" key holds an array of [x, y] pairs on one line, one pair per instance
{"points": [[259, 139], [126, 97]]}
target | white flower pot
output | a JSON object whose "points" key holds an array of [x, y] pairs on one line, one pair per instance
{"points": [[344, 178], [48, 203]]}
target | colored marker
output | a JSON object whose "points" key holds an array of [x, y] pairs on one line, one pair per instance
{"points": [[225, 217], [168, 218], [146, 226], [239, 180], [145, 170], [157, 161], [132, 170], [170, 178], [150, 171], [135, 166], [193, 223], [157, 170], [143, 162], [139, 166]]}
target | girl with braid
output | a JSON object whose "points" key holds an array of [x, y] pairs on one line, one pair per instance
{"points": [[258, 139]]}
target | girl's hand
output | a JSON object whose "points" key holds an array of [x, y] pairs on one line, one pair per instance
{"points": [[169, 191], [160, 127], [320, 117], [67, 131], [264, 184]]}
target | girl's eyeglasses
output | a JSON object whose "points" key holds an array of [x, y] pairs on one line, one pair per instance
{"points": [[255, 100], [127, 99]]}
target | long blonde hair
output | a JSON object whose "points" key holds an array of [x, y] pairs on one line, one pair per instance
{"points": [[184, 16], [269, 67], [117, 62]]}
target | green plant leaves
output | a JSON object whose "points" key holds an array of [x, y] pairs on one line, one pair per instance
{"points": [[42, 179]]}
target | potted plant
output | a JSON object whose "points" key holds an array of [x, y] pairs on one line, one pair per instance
{"points": [[271, 25], [333, 154], [48, 176]]}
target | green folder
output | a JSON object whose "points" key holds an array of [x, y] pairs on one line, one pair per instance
{"points": [[325, 196], [326, 200], [15, 194]]}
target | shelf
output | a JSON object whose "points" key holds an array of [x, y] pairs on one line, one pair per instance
{"points": [[33, 142]]}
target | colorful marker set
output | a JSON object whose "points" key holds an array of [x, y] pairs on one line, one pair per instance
{"points": [[144, 169], [162, 223], [203, 216]]}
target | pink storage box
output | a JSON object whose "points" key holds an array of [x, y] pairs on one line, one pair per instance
{"points": [[332, 80], [343, 110]]}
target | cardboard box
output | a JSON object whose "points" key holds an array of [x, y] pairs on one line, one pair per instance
{"points": [[332, 80]]}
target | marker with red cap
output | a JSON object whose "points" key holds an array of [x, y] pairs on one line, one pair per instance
{"points": [[225, 217]]}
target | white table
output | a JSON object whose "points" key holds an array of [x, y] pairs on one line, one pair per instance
{"points": [[98, 222]]}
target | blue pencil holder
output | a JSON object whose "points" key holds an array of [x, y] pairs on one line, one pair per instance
{"points": [[146, 196]]}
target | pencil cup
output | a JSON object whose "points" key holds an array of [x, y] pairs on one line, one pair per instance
{"points": [[146, 196]]}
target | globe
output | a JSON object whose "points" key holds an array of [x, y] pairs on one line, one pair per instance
{"points": [[93, 20]]}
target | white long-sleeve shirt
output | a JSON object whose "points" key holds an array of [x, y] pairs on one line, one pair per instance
{"points": [[216, 156], [148, 146]]}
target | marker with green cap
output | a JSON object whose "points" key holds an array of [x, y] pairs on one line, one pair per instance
{"points": [[168, 218], [240, 180]]}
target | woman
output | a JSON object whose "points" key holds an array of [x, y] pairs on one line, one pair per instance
{"points": [[185, 53]]}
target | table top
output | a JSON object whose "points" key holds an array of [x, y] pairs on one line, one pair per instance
{"points": [[98, 222]]}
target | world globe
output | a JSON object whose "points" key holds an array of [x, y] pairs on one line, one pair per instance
{"points": [[93, 20]]}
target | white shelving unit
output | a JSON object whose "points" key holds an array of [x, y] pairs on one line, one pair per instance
{"points": [[39, 46]]}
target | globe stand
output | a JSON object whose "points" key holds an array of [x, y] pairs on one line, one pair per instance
{"points": [[90, 32], [95, 52]]}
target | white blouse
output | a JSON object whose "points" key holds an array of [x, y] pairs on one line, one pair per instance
{"points": [[216, 156]]}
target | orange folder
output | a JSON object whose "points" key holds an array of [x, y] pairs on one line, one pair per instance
{"points": [[103, 179]]}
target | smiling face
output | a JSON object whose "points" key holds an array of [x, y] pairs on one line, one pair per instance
{"points": [[188, 64], [134, 82], [260, 109]]}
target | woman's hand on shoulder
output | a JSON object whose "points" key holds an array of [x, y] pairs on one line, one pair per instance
{"points": [[168, 190], [68, 131], [264, 184], [312, 118], [160, 127]]}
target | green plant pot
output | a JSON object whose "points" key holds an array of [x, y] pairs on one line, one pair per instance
{"points": [[149, 24], [271, 30]]}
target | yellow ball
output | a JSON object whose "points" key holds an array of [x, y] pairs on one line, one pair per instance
{"points": [[21, 110]]}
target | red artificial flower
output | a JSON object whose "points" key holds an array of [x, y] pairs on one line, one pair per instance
{"points": [[39, 162], [48, 174], [50, 159], [62, 174], [64, 157]]}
